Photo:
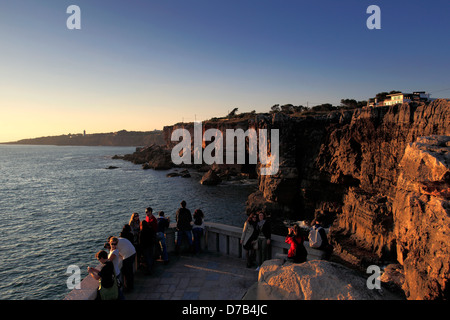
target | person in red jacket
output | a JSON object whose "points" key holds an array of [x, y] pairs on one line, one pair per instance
{"points": [[297, 252], [151, 219]]}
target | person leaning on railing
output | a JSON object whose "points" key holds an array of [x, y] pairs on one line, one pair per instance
{"points": [[249, 238], [108, 288], [264, 239]]}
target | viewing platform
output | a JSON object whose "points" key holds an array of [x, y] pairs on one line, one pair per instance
{"points": [[219, 272], [206, 276]]}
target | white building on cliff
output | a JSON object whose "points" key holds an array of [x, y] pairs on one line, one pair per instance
{"points": [[400, 98]]}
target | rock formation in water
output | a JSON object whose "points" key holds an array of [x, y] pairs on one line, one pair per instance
{"points": [[155, 157]]}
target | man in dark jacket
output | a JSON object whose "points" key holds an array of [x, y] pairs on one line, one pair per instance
{"points": [[184, 219], [147, 243]]}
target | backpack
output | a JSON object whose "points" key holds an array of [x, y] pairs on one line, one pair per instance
{"points": [[315, 239]]}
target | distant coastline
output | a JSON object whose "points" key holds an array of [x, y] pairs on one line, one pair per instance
{"points": [[121, 138]]}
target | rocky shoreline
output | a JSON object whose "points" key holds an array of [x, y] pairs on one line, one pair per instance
{"points": [[379, 176]]}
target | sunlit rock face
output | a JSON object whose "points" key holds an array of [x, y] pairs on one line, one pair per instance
{"points": [[421, 210], [314, 280], [370, 172], [358, 169]]}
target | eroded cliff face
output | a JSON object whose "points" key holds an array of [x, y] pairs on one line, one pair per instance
{"points": [[366, 153], [421, 210], [359, 171], [365, 171]]}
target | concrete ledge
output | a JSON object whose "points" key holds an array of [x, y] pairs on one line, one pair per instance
{"points": [[88, 290]]}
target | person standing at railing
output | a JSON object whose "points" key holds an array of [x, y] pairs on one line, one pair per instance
{"points": [[108, 287], [184, 228], [127, 252], [135, 226], [114, 257], [163, 224], [147, 238], [249, 238], [151, 220], [198, 229], [264, 238]]}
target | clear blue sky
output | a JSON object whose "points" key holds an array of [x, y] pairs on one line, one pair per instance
{"points": [[140, 65]]}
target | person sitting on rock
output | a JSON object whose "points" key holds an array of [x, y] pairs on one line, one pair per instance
{"points": [[297, 252], [318, 238]]}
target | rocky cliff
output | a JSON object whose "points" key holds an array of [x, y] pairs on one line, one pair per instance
{"points": [[369, 172], [421, 216], [358, 170]]}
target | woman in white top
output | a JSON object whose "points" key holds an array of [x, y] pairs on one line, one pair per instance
{"points": [[114, 255]]}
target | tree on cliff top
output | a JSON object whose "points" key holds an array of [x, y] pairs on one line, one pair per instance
{"points": [[349, 103], [381, 96], [324, 107], [232, 113], [275, 108], [287, 108], [352, 104]]}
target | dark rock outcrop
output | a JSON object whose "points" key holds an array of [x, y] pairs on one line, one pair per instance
{"points": [[183, 174], [152, 157], [210, 178]]}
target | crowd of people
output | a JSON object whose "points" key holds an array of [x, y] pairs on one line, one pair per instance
{"points": [[142, 242]]}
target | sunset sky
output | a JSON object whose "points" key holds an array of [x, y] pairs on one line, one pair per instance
{"points": [[140, 65]]}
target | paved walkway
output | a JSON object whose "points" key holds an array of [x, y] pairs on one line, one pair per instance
{"points": [[207, 276]]}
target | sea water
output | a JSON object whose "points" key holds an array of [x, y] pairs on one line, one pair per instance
{"points": [[59, 204]]}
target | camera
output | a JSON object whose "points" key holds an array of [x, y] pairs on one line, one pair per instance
{"points": [[107, 245]]}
